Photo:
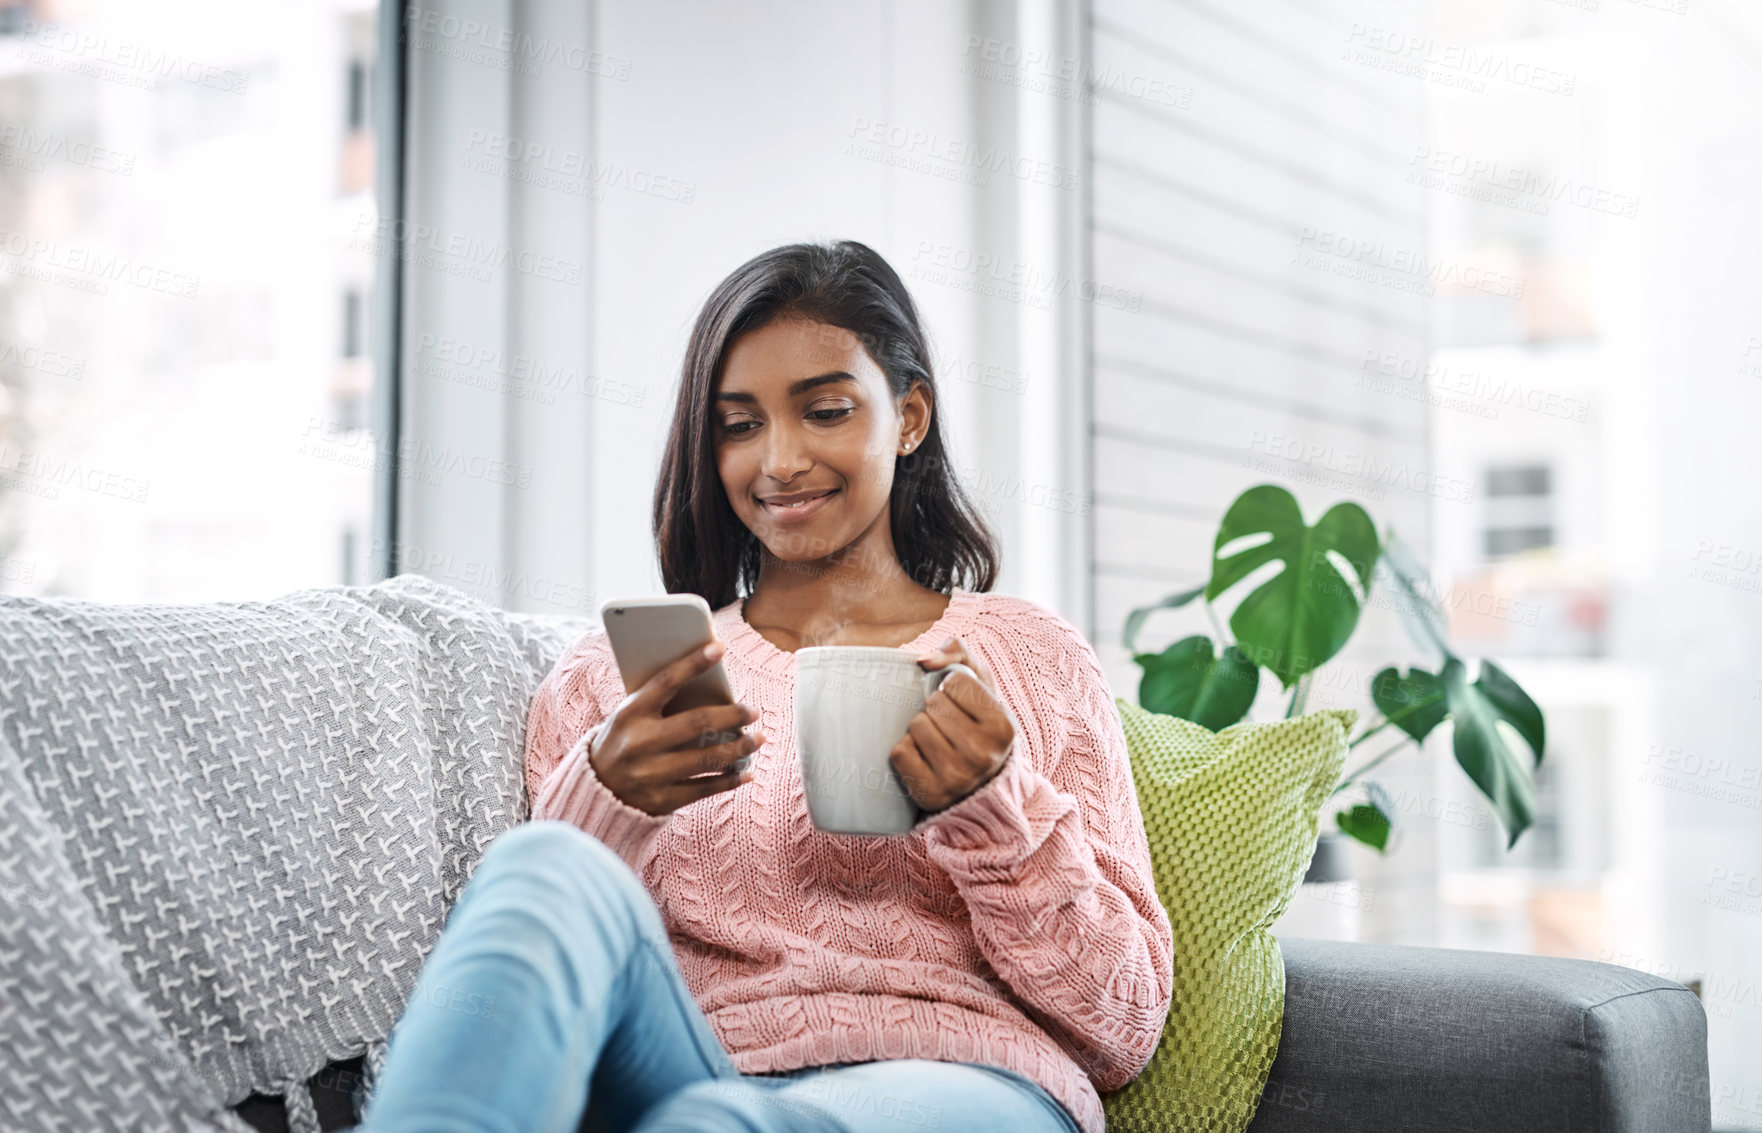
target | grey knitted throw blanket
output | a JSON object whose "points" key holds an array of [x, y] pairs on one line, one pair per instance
{"points": [[230, 834]]}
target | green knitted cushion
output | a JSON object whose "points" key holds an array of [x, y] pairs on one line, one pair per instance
{"points": [[1231, 818]]}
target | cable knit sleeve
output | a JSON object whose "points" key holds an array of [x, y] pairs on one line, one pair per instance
{"points": [[1051, 857], [566, 711]]}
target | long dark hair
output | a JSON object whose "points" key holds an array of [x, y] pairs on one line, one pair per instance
{"points": [[704, 548]]}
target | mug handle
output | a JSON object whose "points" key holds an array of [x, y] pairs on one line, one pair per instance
{"points": [[932, 681], [933, 678]]}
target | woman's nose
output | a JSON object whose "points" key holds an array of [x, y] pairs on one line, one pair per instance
{"points": [[785, 456]]}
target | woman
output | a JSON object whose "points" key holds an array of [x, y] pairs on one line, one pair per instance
{"points": [[707, 959]]}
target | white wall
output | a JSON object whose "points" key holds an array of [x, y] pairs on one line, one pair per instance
{"points": [[1234, 154], [709, 133]]}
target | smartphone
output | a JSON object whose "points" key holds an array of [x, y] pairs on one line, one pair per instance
{"points": [[648, 634]]}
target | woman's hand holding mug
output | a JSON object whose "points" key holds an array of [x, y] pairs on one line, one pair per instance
{"points": [[649, 760], [961, 738]]}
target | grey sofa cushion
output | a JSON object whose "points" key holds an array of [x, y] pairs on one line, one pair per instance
{"points": [[268, 806], [1430, 1039], [80, 1047]]}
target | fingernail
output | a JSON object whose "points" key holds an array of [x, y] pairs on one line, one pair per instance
{"points": [[712, 649]]}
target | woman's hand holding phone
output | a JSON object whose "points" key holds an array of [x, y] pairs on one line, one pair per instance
{"points": [[656, 763]]}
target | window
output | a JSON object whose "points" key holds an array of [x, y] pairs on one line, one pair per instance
{"points": [[357, 96], [182, 305], [1518, 509], [354, 337], [1541, 845], [351, 557], [349, 389]]}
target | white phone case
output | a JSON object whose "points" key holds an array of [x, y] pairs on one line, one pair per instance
{"points": [[648, 634]]}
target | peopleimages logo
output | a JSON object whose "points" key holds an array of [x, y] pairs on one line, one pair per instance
{"points": [[1727, 564], [1006, 278], [44, 475], [88, 53], [52, 362], [477, 42], [1547, 188], [1711, 777], [567, 170], [1750, 361], [874, 140], [1483, 603], [1066, 76], [1734, 890], [1325, 246], [88, 269], [516, 375], [1376, 470], [460, 1001], [1460, 65], [456, 253], [1480, 395], [33, 146], [477, 576], [364, 448]]}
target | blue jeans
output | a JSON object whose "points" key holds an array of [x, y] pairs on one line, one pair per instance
{"points": [[553, 1001]]}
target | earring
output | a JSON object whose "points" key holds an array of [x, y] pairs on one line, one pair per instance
{"points": [[908, 446]]}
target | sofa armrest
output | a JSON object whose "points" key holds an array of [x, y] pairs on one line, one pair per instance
{"points": [[1384, 1037]]}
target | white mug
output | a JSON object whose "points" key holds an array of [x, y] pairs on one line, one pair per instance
{"points": [[852, 704]]}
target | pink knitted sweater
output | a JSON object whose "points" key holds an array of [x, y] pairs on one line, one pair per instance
{"points": [[1017, 928]]}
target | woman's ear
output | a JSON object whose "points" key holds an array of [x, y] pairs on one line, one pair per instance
{"points": [[914, 411]]}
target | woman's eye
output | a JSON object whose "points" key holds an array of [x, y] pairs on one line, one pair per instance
{"points": [[740, 428]]}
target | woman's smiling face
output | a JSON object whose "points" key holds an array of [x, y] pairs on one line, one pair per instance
{"points": [[802, 411]]}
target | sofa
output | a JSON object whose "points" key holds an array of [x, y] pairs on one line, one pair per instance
{"points": [[1415, 1040], [410, 671]]}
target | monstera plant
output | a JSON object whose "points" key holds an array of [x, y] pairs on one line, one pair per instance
{"points": [[1299, 591]]}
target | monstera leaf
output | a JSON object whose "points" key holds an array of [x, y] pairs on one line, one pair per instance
{"points": [[1477, 710], [1185, 680], [1370, 822], [1300, 617], [1414, 703], [1135, 619], [1415, 598]]}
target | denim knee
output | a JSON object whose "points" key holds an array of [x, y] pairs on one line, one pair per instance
{"points": [[559, 849], [565, 859]]}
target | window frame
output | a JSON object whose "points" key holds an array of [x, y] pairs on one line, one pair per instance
{"points": [[385, 325]]}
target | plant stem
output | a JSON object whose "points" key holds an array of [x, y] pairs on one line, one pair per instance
{"points": [[1369, 732], [1374, 760], [1224, 641], [1299, 696]]}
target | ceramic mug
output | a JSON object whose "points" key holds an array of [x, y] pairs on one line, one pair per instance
{"points": [[852, 704]]}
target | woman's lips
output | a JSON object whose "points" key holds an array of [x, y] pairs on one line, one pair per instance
{"points": [[784, 514]]}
